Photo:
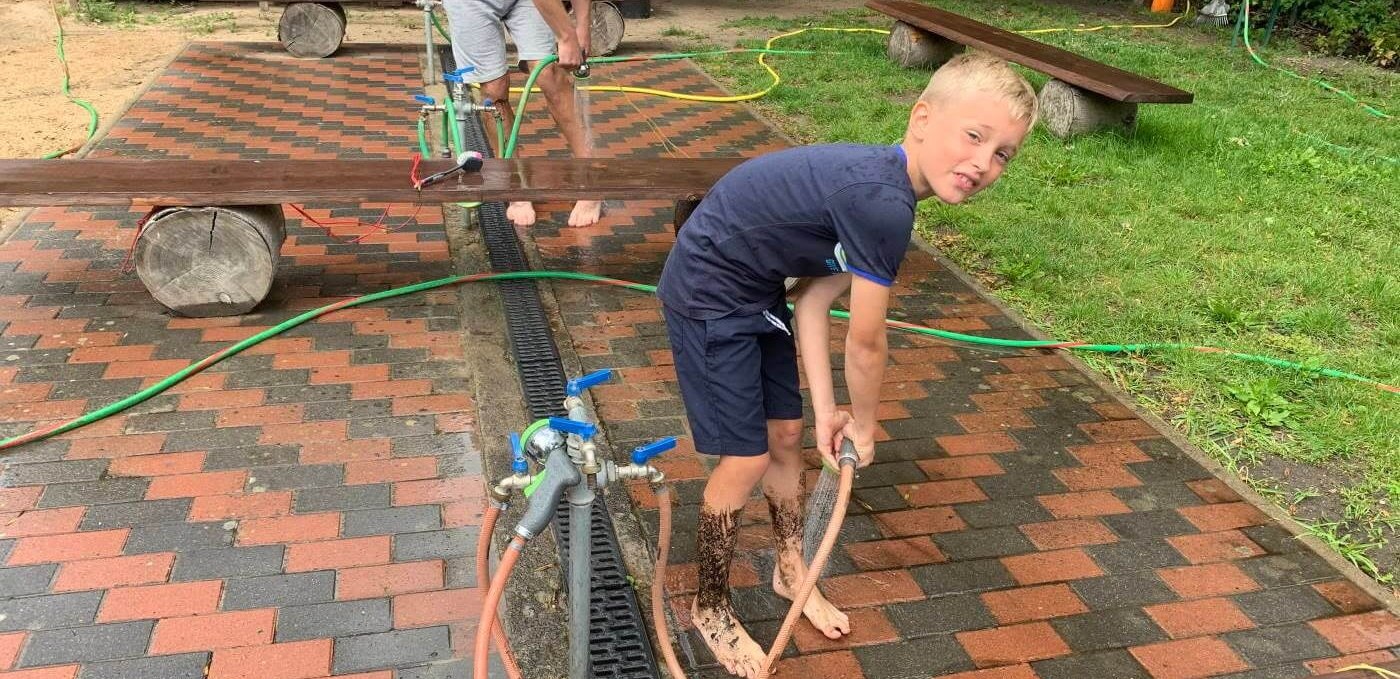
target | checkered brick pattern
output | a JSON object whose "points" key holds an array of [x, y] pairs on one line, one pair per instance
{"points": [[1019, 523], [305, 509]]}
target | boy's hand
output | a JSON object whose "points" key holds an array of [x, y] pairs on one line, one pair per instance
{"points": [[828, 431], [863, 440]]}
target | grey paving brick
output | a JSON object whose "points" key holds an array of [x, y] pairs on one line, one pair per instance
{"points": [[250, 456], [1103, 630], [172, 421], [1106, 665], [889, 474], [411, 519], [401, 648], [435, 544], [106, 491], [1282, 570], [877, 500], [962, 576], [1023, 484], [1158, 471], [382, 427], [209, 439], [52, 472], [1274, 539], [1278, 645], [387, 355], [337, 619], [917, 659], [1158, 496], [61, 372], [267, 378], [299, 476], [1013, 512], [461, 573], [231, 562], [1297, 671], [984, 543], [432, 444], [1284, 605], [1117, 591], [452, 669], [183, 666], [348, 410], [342, 498], [178, 537], [1135, 555], [1142, 525], [128, 514], [86, 644], [958, 613], [279, 590], [25, 580], [307, 393], [49, 450]]}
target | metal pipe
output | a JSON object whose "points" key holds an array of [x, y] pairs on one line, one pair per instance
{"points": [[428, 38], [581, 498]]}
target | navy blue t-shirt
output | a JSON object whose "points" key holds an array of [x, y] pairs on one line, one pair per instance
{"points": [[803, 212]]}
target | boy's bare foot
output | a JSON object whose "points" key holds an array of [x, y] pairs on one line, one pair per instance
{"points": [[586, 213], [521, 213], [728, 640], [827, 618]]}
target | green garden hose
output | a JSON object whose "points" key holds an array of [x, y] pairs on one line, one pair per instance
{"points": [[186, 372], [92, 112]]}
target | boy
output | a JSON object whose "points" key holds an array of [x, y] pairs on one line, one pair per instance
{"points": [[841, 215], [535, 25]]}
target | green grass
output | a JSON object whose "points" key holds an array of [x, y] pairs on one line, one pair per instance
{"points": [[1234, 221]]}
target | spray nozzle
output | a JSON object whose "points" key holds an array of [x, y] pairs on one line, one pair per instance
{"points": [[848, 453]]}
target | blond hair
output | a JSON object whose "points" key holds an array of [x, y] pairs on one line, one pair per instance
{"points": [[974, 71]]}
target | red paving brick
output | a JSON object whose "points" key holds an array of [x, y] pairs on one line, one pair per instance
{"points": [[1033, 603], [1188, 659], [1198, 618], [174, 600], [215, 630], [295, 660], [1013, 644]]}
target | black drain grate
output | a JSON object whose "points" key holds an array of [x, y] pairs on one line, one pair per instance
{"points": [[618, 643]]}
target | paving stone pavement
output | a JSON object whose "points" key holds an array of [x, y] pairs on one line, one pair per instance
{"points": [[306, 509]]}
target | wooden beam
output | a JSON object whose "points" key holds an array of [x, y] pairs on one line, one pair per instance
{"points": [[1091, 75], [171, 182]]}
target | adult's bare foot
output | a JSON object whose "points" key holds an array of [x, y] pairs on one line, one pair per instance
{"points": [[728, 640], [586, 213], [521, 213]]}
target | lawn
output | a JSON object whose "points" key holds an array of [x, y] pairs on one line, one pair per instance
{"points": [[1263, 218]]}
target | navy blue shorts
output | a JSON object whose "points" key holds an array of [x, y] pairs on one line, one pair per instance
{"points": [[736, 373]]}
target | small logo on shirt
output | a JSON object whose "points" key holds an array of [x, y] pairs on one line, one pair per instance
{"points": [[837, 262]]}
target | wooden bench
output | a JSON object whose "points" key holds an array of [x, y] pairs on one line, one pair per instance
{"points": [[211, 242], [1083, 95]]}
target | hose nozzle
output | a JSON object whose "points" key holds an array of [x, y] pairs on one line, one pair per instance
{"points": [[848, 454]]}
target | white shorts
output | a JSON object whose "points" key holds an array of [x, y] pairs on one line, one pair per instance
{"points": [[478, 35]]}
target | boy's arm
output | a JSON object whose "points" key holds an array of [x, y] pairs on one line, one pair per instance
{"points": [[812, 317], [866, 351]]}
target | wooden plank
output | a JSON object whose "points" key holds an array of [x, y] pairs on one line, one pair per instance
{"points": [[1393, 666], [172, 182], [1091, 75]]}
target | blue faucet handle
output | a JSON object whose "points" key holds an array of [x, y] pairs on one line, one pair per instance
{"points": [[453, 77], [568, 426], [642, 454], [425, 99], [517, 463], [577, 385]]}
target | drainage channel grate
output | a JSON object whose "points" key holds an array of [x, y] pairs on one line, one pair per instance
{"points": [[618, 644]]}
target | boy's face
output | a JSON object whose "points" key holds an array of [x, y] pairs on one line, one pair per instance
{"points": [[962, 145]]}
